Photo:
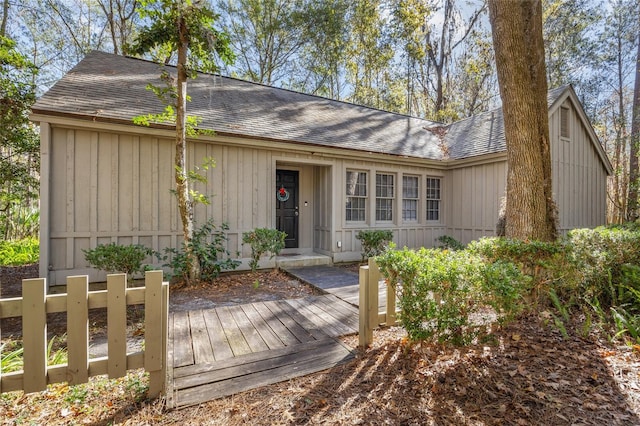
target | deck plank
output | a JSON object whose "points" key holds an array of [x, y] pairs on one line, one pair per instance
{"points": [[262, 327], [182, 350], [318, 318], [217, 337], [277, 325], [291, 320], [249, 332], [236, 339], [268, 372], [341, 311], [202, 350]]}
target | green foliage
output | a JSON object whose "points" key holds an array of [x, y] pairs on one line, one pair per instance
{"points": [[447, 242], [20, 145], [209, 245], [112, 258], [162, 35], [374, 241], [263, 240], [17, 253], [12, 353], [442, 291]]}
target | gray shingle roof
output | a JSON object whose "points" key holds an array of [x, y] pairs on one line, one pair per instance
{"points": [[110, 87], [484, 133], [113, 87]]}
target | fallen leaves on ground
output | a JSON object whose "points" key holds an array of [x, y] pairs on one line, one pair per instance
{"points": [[526, 374]]}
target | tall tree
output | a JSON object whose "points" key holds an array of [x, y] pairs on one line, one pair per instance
{"points": [[617, 68], [519, 50], [121, 18], [186, 28], [431, 32], [267, 34], [634, 172], [322, 58], [569, 44], [368, 53]]}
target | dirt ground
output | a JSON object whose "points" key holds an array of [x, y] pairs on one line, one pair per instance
{"points": [[527, 374]]}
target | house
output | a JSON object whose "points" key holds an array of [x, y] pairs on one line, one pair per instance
{"points": [[319, 169]]}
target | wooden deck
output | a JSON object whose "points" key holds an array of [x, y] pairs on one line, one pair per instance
{"points": [[222, 351]]}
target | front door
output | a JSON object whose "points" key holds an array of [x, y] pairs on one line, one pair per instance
{"points": [[287, 206]]}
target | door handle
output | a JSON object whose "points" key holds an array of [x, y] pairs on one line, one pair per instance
{"points": [[297, 213]]}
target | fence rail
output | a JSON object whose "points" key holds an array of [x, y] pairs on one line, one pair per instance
{"points": [[35, 304], [369, 316]]}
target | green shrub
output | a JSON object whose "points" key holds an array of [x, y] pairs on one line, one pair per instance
{"points": [[374, 241], [114, 258], [605, 257], [263, 240], [19, 252], [447, 242], [209, 245], [440, 290], [548, 264]]}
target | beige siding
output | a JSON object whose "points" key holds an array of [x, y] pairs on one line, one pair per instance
{"points": [[108, 187], [578, 173], [474, 195], [322, 210]]}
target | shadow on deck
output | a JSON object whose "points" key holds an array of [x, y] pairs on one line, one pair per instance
{"points": [[226, 350]]}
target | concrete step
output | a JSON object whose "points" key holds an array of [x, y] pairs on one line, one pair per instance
{"points": [[301, 260]]}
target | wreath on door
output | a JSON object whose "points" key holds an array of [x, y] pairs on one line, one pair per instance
{"points": [[282, 194]]}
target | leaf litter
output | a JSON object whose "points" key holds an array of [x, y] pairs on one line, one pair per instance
{"points": [[527, 374]]}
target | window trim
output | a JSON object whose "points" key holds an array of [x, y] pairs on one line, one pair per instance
{"points": [[416, 199], [362, 197], [392, 198], [565, 122], [438, 199]]}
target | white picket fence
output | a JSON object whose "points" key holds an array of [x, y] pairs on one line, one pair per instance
{"points": [[35, 304]]}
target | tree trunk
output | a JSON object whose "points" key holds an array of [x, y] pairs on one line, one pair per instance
{"points": [[634, 185], [517, 38], [185, 205], [5, 18]]}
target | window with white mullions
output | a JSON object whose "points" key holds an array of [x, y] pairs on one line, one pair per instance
{"points": [[410, 196], [384, 197], [433, 198], [356, 191]]}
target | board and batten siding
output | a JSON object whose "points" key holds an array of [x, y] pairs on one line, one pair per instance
{"points": [[474, 195], [579, 176], [109, 186]]}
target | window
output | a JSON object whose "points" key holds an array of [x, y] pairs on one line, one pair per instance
{"points": [[564, 122], [433, 198], [356, 196], [410, 196], [384, 197]]}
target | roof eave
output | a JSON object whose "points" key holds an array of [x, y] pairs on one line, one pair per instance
{"points": [[165, 130]]}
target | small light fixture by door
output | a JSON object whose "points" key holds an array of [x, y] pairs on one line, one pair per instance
{"points": [[339, 243]]}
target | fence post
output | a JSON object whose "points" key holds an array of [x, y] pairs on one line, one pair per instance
{"points": [[34, 332], [117, 325], [365, 332], [368, 305], [78, 329], [155, 331]]}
